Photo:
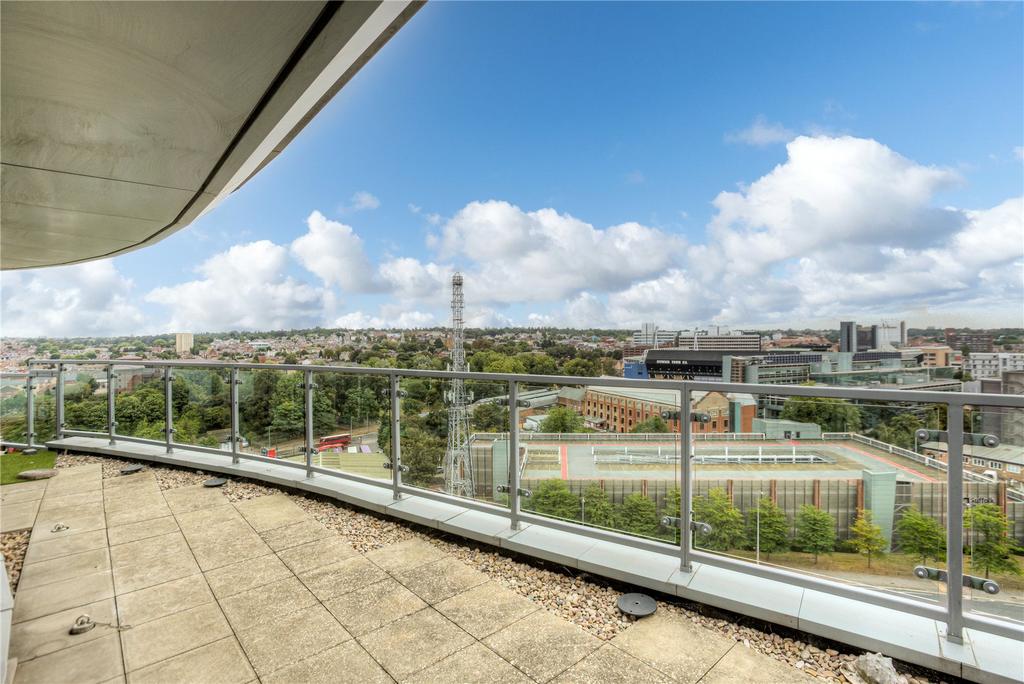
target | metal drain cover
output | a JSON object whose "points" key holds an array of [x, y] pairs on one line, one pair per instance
{"points": [[128, 470], [638, 605], [215, 482]]}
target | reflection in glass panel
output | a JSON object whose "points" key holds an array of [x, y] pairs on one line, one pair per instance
{"points": [[13, 406], [139, 401], [201, 407], [85, 398], [347, 413], [271, 413]]}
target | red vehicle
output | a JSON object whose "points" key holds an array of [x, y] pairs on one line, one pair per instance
{"points": [[334, 441]]}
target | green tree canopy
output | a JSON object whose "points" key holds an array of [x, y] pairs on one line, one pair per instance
{"points": [[992, 546], [562, 419], [726, 521], [815, 531], [552, 497], [767, 527], [867, 537], [638, 515], [596, 509], [921, 536], [490, 417], [899, 430], [652, 424], [833, 415]]}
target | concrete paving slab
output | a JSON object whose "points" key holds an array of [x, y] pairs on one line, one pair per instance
{"points": [[238, 577], [296, 534], [272, 646], [674, 645], [19, 492], [194, 498], [374, 606], [268, 603], [220, 661], [212, 552], [636, 566], [137, 514], [414, 642], [42, 636], [161, 600], [405, 555], [65, 568], [346, 663], [208, 519], [342, 577], [441, 579], [58, 501], [165, 637], [74, 525], [609, 665], [151, 561], [145, 529], [743, 664], [58, 596], [18, 516], [542, 645], [475, 664], [92, 662], [51, 515], [66, 546], [267, 512], [485, 609], [316, 554]]}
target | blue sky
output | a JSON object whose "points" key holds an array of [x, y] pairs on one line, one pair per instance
{"points": [[638, 114]]}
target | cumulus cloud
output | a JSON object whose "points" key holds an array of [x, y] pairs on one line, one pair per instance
{"points": [[760, 133], [334, 252], [243, 288], [356, 320], [86, 299], [519, 256]]}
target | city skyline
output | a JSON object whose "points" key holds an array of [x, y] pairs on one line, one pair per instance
{"points": [[880, 180]]}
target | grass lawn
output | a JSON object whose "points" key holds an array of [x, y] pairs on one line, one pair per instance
{"points": [[13, 463]]}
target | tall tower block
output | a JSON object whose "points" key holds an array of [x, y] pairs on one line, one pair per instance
{"points": [[458, 468]]}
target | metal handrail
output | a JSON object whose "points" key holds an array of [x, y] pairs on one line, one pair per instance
{"points": [[952, 613]]}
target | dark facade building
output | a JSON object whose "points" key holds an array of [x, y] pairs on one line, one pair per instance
{"points": [[973, 341]]}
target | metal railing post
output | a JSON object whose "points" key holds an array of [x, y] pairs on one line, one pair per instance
{"points": [[396, 439], [307, 386], [234, 415], [955, 523], [685, 480], [30, 413], [513, 454], [111, 423], [168, 410], [58, 417]]}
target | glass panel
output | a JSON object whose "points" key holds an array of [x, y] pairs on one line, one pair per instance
{"points": [[45, 390], [139, 401], [461, 452], [824, 486], [85, 398], [603, 456], [13, 404], [271, 414], [347, 410], [201, 407], [994, 510]]}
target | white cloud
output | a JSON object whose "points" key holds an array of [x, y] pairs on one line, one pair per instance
{"points": [[243, 288], [388, 319], [86, 299], [519, 256], [362, 201], [1019, 152], [761, 133], [334, 252]]}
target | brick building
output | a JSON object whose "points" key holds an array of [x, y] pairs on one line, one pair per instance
{"points": [[620, 410]]}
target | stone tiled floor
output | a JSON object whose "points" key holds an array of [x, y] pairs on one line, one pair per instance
{"points": [[258, 591]]}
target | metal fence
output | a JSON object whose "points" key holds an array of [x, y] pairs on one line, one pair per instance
{"points": [[952, 613]]}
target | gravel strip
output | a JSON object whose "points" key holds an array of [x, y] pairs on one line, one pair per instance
{"points": [[585, 600], [13, 546]]}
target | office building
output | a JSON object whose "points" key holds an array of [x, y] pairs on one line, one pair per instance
{"points": [[972, 341], [993, 365], [848, 336]]}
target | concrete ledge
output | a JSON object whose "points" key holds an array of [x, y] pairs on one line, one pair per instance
{"points": [[984, 657]]}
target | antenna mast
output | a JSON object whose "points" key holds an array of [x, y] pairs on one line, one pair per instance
{"points": [[458, 468]]}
